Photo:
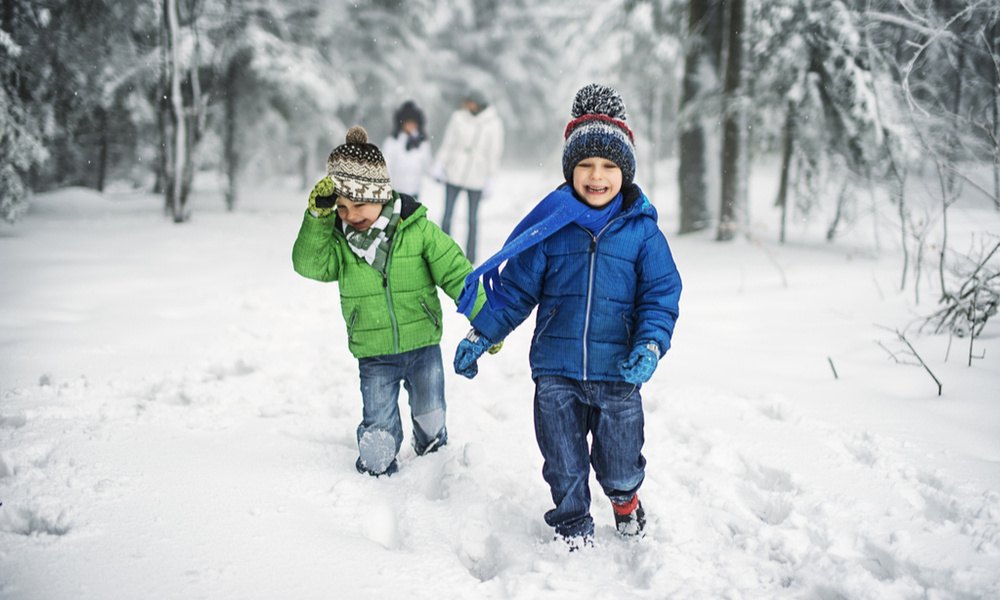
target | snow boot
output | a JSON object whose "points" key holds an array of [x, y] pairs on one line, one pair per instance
{"points": [[433, 446], [630, 518], [392, 468]]}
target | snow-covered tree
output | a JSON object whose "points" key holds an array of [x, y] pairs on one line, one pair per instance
{"points": [[20, 137], [815, 88], [268, 80]]}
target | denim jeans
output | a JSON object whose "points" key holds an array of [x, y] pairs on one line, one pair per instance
{"points": [[380, 433], [450, 196], [566, 411]]}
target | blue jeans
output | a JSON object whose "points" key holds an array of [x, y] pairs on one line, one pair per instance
{"points": [[380, 433], [450, 196], [566, 411]]}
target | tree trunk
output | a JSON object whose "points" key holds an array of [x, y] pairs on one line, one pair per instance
{"points": [[102, 157], [996, 116], [732, 128], [693, 160], [842, 200], [787, 146], [948, 174], [655, 118], [178, 151], [194, 113], [901, 203], [231, 157]]}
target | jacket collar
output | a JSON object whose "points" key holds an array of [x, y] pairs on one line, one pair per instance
{"points": [[408, 207]]}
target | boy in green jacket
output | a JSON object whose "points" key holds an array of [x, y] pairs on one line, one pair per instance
{"points": [[389, 261]]}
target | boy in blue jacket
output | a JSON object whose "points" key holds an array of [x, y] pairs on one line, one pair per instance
{"points": [[591, 257]]}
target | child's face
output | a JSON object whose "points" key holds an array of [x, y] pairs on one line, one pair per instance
{"points": [[410, 127], [359, 215], [597, 180]]}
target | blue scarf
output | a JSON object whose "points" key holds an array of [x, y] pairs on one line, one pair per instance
{"points": [[555, 211]]}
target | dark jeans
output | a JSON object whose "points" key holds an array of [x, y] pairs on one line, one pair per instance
{"points": [[566, 411], [450, 196], [380, 433]]}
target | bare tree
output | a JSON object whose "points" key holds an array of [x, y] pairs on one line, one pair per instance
{"points": [[733, 159], [177, 153], [701, 64]]}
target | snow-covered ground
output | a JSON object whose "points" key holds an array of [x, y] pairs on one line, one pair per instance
{"points": [[178, 411]]}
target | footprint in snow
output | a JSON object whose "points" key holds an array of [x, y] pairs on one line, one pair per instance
{"points": [[380, 524]]}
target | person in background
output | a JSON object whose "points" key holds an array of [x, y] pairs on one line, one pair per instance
{"points": [[407, 151], [592, 259], [469, 159], [388, 261]]}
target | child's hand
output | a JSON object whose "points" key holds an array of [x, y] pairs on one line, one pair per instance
{"points": [[468, 352], [640, 364], [323, 198]]}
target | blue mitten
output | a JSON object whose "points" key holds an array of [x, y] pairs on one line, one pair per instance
{"points": [[640, 364], [468, 352]]}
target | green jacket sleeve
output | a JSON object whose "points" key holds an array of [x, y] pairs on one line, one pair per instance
{"points": [[448, 264], [317, 253]]}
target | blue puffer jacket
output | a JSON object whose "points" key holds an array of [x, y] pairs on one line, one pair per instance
{"points": [[598, 295]]}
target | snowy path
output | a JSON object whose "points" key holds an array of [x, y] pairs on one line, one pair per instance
{"points": [[177, 417]]}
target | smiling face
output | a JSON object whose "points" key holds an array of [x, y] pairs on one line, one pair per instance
{"points": [[359, 215], [597, 180]]}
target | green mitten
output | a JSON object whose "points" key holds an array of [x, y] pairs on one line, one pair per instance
{"points": [[323, 198]]}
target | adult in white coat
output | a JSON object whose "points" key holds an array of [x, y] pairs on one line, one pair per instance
{"points": [[469, 159]]}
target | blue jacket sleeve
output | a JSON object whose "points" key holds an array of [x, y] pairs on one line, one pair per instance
{"points": [[522, 279], [658, 293]]}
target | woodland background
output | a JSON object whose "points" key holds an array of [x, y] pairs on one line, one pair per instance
{"points": [[861, 101], [178, 408]]}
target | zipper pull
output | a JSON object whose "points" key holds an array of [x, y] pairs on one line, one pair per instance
{"points": [[593, 244]]}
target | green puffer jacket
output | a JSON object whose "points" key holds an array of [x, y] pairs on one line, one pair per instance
{"points": [[397, 313]]}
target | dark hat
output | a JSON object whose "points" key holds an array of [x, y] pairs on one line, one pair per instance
{"points": [[358, 169], [409, 111], [598, 128]]}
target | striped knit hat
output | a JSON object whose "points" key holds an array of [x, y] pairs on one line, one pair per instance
{"points": [[598, 129], [358, 169]]}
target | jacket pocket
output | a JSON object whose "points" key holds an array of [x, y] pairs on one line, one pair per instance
{"points": [[628, 329], [430, 313], [350, 325], [545, 325]]}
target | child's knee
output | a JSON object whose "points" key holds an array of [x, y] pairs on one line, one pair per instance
{"points": [[377, 449]]}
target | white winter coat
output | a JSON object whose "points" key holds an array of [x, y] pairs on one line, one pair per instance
{"points": [[406, 167], [471, 149]]}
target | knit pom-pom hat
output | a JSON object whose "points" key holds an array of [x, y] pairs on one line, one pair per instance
{"points": [[358, 169], [598, 129]]}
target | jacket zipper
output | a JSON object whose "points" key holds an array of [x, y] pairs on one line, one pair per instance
{"points": [[590, 298], [388, 294], [590, 286]]}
